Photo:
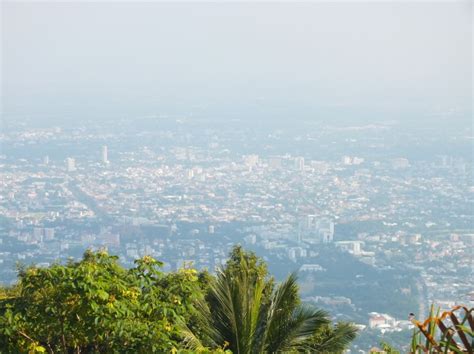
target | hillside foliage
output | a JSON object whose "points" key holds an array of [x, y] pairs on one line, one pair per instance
{"points": [[96, 305]]}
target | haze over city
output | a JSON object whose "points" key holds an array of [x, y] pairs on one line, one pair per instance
{"points": [[260, 61], [334, 140]]}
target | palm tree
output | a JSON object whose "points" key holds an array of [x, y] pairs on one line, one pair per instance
{"points": [[245, 313]]}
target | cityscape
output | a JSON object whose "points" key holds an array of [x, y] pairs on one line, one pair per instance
{"points": [[236, 177], [394, 230]]}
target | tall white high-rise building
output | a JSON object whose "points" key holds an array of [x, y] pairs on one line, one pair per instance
{"points": [[70, 164], [314, 229], [347, 160], [299, 163], [190, 174], [105, 154]]}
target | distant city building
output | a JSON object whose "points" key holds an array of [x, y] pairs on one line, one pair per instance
{"points": [[310, 221], [190, 174], [354, 247], [105, 157], [38, 232], [274, 162], [320, 166], [251, 160], [326, 232], [49, 233], [316, 230], [70, 164], [400, 163], [382, 321], [312, 268], [349, 160], [377, 320], [299, 163], [296, 252], [46, 160], [346, 160]]}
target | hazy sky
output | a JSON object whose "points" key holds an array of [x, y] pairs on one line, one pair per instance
{"points": [[147, 57]]}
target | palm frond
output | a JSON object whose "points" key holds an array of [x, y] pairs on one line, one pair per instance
{"points": [[277, 313], [334, 340], [305, 322], [288, 323], [227, 311], [245, 311], [190, 340]]}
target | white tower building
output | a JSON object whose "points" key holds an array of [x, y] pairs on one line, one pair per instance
{"points": [[299, 163], [105, 153], [70, 164]]}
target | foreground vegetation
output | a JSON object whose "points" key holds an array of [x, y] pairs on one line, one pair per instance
{"points": [[445, 332], [96, 305]]}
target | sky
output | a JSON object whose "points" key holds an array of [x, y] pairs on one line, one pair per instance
{"points": [[309, 60]]}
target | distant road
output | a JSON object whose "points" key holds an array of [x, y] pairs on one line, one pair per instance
{"points": [[90, 202]]}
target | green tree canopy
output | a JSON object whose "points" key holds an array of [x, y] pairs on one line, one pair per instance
{"points": [[96, 305]]}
